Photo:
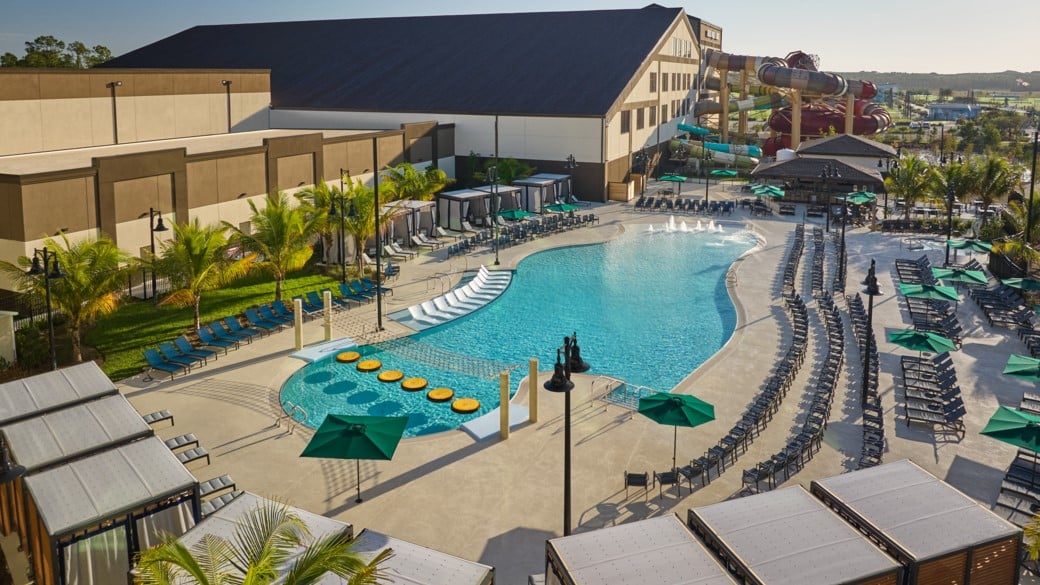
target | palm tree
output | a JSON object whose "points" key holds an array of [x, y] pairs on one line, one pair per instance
{"points": [[281, 237], [1019, 246], [317, 201], [404, 181], [909, 181], [509, 170], [261, 552], [360, 223], [95, 273], [955, 178], [196, 261], [991, 179]]}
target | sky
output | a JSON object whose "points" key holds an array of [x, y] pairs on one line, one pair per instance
{"points": [[919, 36]]}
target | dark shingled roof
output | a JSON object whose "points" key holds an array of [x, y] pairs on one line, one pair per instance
{"points": [[846, 145], [536, 63], [810, 168]]}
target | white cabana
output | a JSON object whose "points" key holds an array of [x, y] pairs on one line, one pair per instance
{"points": [[925, 523], [454, 207], [561, 184], [508, 195], [409, 218], [535, 192], [658, 550], [787, 537], [417, 565], [43, 393]]}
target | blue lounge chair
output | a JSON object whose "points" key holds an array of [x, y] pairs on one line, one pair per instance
{"points": [[369, 285], [256, 320], [234, 326], [187, 348], [309, 310], [281, 310], [172, 354], [221, 332], [211, 340], [315, 299], [360, 289], [268, 313], [348, 293], [156, 362], [336, 301]]}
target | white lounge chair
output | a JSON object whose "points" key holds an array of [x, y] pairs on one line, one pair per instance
{"points": [[473, 294], [432, 311], [494, 276], [428, 240], [442, 305], [482, 283], [471, 229], [420, 317], [397, 248], [441, 232], [418, 242], [389, 252], [459, 301]]}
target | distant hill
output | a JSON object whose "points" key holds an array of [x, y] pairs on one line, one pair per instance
{"points": [[1006, 81]]}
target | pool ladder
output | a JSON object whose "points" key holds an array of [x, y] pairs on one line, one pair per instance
{"points": [[293, 409]]}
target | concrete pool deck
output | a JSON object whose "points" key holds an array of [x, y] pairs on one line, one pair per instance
{"points": [[497, 501]]}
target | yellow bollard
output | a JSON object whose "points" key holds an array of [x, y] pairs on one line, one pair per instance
{"points": [[532, 380], [297, 306], [327, 298], [503, 404]]}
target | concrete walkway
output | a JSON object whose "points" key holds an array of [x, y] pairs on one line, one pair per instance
{"points": [[496, 501]]}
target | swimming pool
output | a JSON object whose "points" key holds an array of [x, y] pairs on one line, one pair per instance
{"points": [[648, 307]]}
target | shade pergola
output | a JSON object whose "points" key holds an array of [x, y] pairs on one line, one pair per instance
{"points": [[454, 207], [43, 393], [409, 216]]}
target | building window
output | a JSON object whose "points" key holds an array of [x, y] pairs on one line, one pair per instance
{"points": [[664, 82], [675, 81], [640, 119], [675, 108], [626, 121], [653, 83], [653, 116], [664, 112]]}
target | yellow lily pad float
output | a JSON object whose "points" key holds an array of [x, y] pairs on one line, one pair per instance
{"points": [[390, 376], [440, 394], [369, 365], [414, 384], [465, 405], [348, 357]]}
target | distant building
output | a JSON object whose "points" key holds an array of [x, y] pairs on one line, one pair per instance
{"points": [[952, 111], [886, 94]]}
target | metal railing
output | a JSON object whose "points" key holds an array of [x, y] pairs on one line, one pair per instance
{"points": [[618, 392], [292, 420]]}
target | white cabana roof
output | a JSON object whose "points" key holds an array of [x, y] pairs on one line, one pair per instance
{"points": [[462, 194], [550, 176], [921, 514], [45, 392], [787, 536], [402, 204], [500, 189], [64, 434], [83, 493], [659, 550], [417, 565], [535, 180]]}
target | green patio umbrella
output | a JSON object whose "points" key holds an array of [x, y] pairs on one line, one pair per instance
{"points": [[767, 191], [724, 173], [561, 207], [970, 245], [673, 178], [859, 197], [921, 341], [1015, 427], [514, 214], [342, 436], [1022, 283], [935, 292], [678, 410], [960, 275], [1023, 366]]}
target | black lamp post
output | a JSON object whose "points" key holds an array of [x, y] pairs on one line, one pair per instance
{"points": [[871, 290], [561, 382], [826, 174], [570, 164], [340, 202], [50, 272], [704, 163], [492, 176], [379, 266], [950, 198], [642, 161], [112, 85], [942, 144], [154, 226], [227, 90], [1032, 187]]}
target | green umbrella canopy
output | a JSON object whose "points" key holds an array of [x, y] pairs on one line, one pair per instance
{"points": [[960, 275], [561, 207], [859, 197], [678, 410], [672, 178], [921, 341], [1014, 427], [1022, 366], [1022, 283], [514, 213], [972, 245], [930, 291], [723, 173], [767, 191], [343, 436]]}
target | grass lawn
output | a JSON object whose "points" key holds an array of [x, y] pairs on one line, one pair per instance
{"points": [[122, 336]]}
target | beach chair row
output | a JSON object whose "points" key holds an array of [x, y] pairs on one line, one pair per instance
{"points": [[485, 287], [794, 257], [520, 231], [1005, 307], [838, 282], [819, 258], [1019, 496], [358, 291], [931, 392], [686, 205], [873, 414], [181, 355]]}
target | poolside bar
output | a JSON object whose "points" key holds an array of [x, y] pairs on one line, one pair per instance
{"points": [[658, 550], [787, 537], [936, 532]]}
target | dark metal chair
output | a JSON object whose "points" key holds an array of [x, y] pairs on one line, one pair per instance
{"points": [[670, 477], [637, 480]]}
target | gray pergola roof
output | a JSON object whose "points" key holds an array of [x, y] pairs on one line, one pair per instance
{"points": [[809, 168], [788, 537], [846, 145], [418, 565], [83, 493], [463, 194], [658, 550], [43, 393], [921, 514], [70, 432]]}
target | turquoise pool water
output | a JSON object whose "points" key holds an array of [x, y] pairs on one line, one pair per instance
{"points": [[648, 307]]}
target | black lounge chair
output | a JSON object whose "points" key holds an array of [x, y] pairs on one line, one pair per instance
{"points": [[637, 480], [212, 486], [213, 504]]}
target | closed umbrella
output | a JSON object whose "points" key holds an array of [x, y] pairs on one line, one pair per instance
{"points": [[343, 436], [934, 292], [1017, 428], [1022, 366], [678, 410], [921, 341], [960, 275]]}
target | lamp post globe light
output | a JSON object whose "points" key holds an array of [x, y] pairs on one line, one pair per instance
{"points": [[826, 174], [561, 382], [872, 290], [492, 177], [50, 270], [704, 164], [154, 226], [642, 160], [950, 198]]}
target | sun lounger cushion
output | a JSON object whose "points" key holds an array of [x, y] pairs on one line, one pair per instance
{"points": [[212, 486], [185, 440], [213, 504], [193, 454], [158, 416]]}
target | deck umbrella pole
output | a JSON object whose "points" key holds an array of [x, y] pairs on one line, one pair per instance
{"points": [[358, 500]]}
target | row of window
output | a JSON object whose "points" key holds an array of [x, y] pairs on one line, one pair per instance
{"points": [[677, 107], [680, 81], [682, 48], [713, 34]]}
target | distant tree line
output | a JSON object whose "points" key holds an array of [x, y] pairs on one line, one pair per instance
{"points": [[50, 52], [960, 82]]}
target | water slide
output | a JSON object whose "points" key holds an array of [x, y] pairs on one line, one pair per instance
{"points": [[733, 154], [827, 95]]}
